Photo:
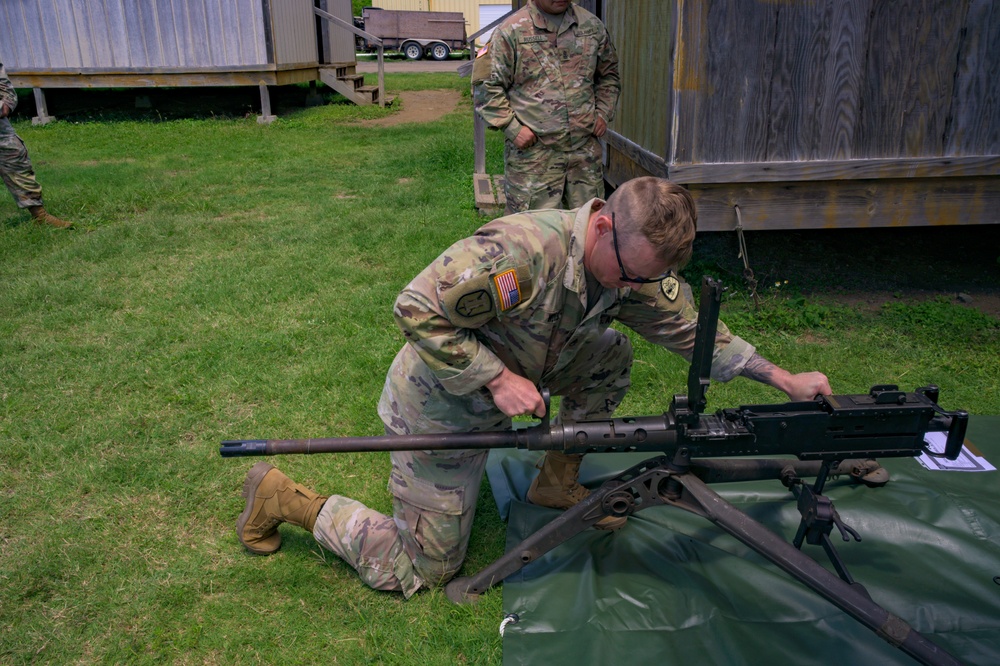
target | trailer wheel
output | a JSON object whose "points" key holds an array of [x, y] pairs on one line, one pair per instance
{"points": [[413, 51], [440, 51]]}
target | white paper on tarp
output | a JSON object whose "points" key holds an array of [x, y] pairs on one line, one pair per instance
{"points": [[967, 461]]}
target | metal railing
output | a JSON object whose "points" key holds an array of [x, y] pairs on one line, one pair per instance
{"points": [[478, 124]]}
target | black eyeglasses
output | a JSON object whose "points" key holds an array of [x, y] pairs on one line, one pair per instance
{"points": [[621, 266]]}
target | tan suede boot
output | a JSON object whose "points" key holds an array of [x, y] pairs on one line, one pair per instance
{"points": [[42, 216], [556, 486], [272, 499]]}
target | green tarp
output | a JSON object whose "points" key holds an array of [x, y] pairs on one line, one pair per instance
{"points": [[671, 586]]}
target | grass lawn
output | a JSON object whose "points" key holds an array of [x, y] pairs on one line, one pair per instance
{"points": [[229, 280]]}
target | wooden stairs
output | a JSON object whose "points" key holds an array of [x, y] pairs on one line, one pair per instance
{"points": [[345, 80]]}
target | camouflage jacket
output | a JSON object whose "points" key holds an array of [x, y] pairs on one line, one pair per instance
{"points": [[8, 96], [556, 83], [515, 295]]}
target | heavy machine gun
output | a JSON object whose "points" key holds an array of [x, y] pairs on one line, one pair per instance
{"points": [[827, 436]]}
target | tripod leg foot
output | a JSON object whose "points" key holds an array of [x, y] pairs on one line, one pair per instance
{"points": [[458, 591]]}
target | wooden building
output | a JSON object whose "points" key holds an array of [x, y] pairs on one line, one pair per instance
{"points": [[811, 113], [145, 43]]}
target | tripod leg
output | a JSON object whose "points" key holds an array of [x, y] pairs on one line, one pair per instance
{"points": [[613, 498], [570, 523], [700, 499]]}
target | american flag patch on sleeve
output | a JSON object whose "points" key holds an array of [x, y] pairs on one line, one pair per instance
{"points": [[507, 289]]}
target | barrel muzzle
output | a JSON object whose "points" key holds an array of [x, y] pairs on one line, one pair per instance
{"points": [[236, 448]]}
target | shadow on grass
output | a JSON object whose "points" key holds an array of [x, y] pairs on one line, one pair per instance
{"points": [[939, 259], [160, 104]]}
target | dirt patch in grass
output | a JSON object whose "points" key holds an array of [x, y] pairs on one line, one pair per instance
{"points": [[419, 106], [985, 302]]}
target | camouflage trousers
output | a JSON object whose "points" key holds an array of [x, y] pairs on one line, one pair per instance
{"points": [[15, 168], [424, 542], [539, 177]]}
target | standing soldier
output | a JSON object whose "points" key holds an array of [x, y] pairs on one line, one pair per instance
{"points": [[15, 165], [549, 80]]}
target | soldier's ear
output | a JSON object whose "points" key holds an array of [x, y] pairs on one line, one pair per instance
{"points": [[602, 224]]}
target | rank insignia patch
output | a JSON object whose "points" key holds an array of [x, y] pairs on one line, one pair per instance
{"points": [[507, 289], [670, 287]]}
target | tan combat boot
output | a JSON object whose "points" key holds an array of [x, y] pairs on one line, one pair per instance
{"points": [[556, 486], [42, 216], [272, 499]]}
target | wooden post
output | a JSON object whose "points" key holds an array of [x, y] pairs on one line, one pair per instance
{"points": [[313, 98], [478, 143], [43, 117], [381, 76], [265, 117]]}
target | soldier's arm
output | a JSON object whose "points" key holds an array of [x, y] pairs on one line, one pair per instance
{"points": [[440, 310], [490, 81], [8, 96], [607, 83], [458, 360], [664, 314], [801, 386]]}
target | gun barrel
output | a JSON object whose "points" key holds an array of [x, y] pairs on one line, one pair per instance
{"points": [[884, 423], [448, 441]]}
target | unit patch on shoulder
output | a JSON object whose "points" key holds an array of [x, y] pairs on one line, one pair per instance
{"points": [[508, 290], [670, 287], [482, 66], [471, 303], [474, 303]]}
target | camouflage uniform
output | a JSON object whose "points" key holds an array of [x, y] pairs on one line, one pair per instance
{"points": [[15, 166], [555, 81], [515, 294]]}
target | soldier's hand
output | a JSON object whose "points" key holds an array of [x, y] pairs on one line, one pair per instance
{"points": [[4, 111], [807, 385], [600, 128], [515, 395], [525, 138]]}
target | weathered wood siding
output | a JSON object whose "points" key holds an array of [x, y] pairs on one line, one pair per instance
{"points": [[293, 31], [836, 80], [133, 34], [643, 34], [807, 113], [396, 26], [339, 43]]}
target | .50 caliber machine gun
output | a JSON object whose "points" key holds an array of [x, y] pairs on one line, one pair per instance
{"points": [[830, 435]]}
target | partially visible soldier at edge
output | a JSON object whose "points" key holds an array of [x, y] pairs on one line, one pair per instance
{"points": [[549, 80], [527, 301], [15, 165]]}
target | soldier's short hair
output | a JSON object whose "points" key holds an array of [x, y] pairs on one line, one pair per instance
{"points": [[662, 211]]}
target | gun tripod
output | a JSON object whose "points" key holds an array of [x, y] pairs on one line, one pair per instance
{"points": [[683, 483]]}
